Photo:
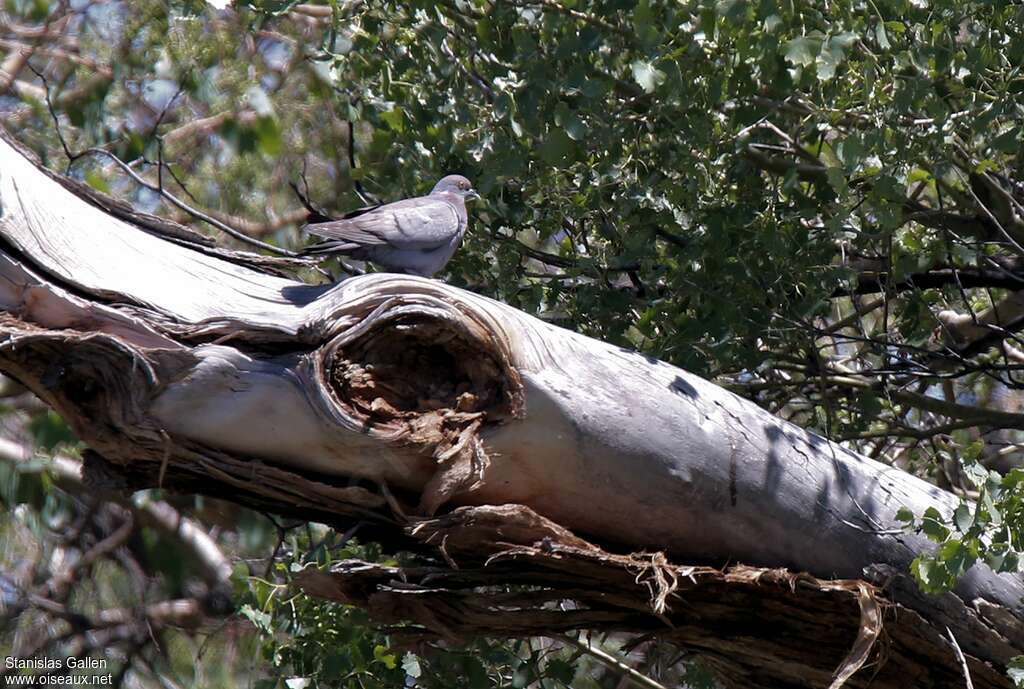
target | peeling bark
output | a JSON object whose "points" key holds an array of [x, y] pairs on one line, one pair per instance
{"points": [[391, 399], [757, 627]]}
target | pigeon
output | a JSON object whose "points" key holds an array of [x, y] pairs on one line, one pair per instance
{"points": [[416, 236]]}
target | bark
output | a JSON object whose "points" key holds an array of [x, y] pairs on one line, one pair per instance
{"points": [[412, 406]]}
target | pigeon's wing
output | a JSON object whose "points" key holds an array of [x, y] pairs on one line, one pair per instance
{"points": [[416, 224]]}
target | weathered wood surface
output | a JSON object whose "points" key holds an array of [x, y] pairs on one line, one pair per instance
{"points": [[208, 365]]}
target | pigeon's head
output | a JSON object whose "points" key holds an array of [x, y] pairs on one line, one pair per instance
{"points": [[458, 185]]}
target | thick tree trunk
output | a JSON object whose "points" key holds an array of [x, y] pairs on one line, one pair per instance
{"points": [[390, 399]]}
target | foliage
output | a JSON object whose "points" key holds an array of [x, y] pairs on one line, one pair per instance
{"points": [[44, 529], [988, 527], [316, 643]]}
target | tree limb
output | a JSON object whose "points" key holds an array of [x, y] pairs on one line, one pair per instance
{"points": [[389, 399]]}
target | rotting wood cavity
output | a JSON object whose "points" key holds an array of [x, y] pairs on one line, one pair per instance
{"points": [[413, 369], [427, 385]]}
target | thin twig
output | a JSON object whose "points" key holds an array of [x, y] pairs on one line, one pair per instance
{"points": [[199, 215], [53, 114]]}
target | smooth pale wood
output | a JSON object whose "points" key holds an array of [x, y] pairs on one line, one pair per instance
{"points": [[613, 444], [80, 245]]}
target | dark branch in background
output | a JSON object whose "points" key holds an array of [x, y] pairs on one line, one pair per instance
{"points": [[992, 218], [161, 165], [53, 114], [366, 197], [938, 362], [672, 238], [872, 282], [810, 172], [315, 214], [794, 106], [160, 145]]}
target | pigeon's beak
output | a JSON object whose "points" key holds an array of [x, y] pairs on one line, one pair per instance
{"points": [[472, 195]]}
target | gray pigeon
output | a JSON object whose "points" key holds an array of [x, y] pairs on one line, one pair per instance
{"points": [[417, 235]]}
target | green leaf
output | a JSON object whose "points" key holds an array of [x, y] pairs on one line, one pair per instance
{"points": [[975, 472], [1014, 478], [851, 152], [97, 181], [394, 119], [963, 517], [503, 106], [904, 515], [932, 526], [844, 39], [647, 75], [955, 557], [567, 118], [995, 515], [556, 147], [336, 663], [870, 406], [260, 619], [1007, 142], [575, 128], [837, 179], [882, 37], [595, 88], [268, 135], [802, 51], [476, 673], [971, 453], [49, 430], [896, 27], [733, 10], [924, 570], [381, 655], [39, 10], [1001, 558], [522, 676], [561, 670], [517, 128], [645, 24], [832, 54], [240, 578]]}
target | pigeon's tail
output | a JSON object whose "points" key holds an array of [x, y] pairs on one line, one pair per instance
{"points": [[330, 246]]}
